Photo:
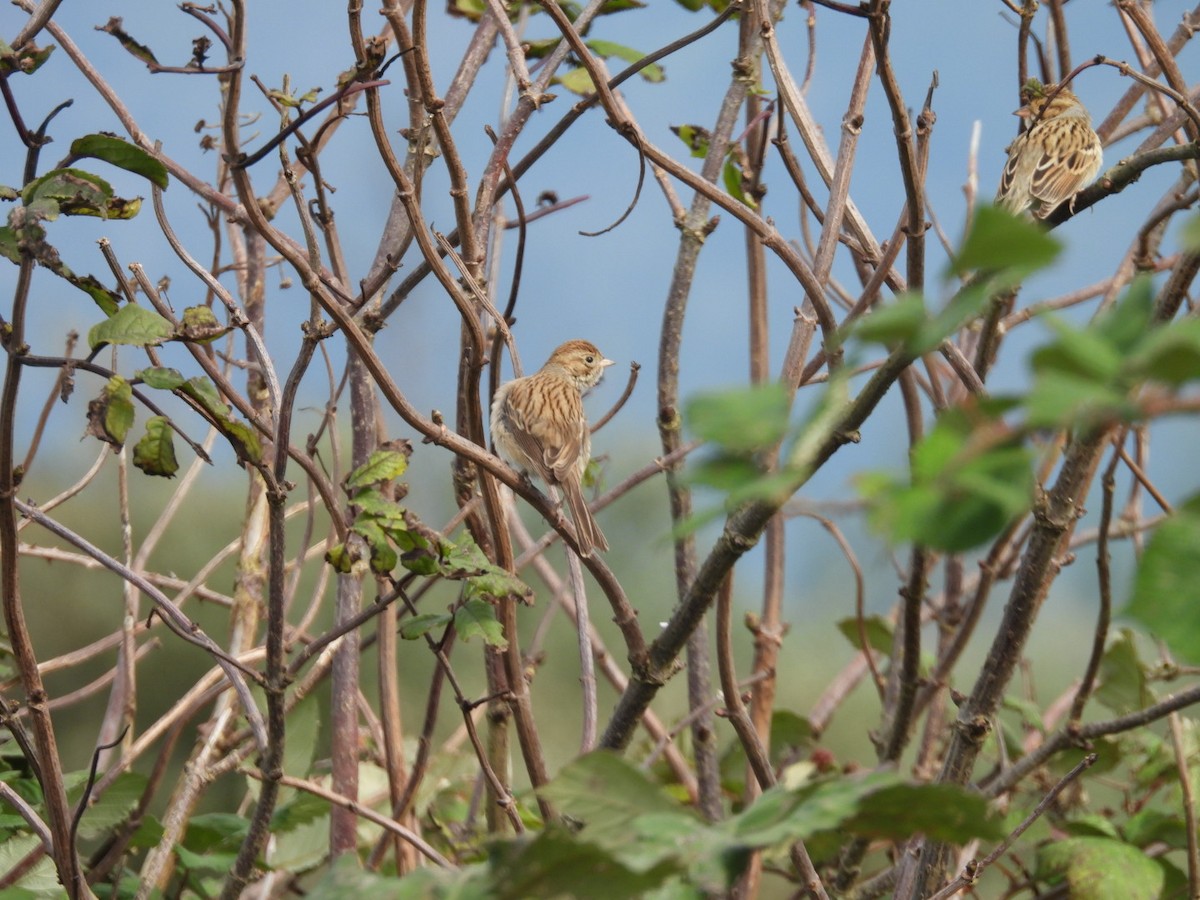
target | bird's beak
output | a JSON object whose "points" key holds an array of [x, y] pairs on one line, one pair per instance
{"points": [[605, 363], [1024, 112]]}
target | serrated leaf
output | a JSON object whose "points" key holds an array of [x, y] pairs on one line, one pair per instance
{"points": [[383, 556], [112, 807], [605, 793], [154, 454], [1084, 353], [123, 155], [132, 325], [381, 466], [423, 623], [161, 378], [1166, 588], [741, 420], [477, 618]]}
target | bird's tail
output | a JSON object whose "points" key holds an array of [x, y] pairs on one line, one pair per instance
{"points": [[589, 533]]}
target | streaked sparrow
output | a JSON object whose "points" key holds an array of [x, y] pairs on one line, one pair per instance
{"points": [[1054, 158], [538, 425]]}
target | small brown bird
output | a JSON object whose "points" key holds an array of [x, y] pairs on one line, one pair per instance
{"points": [[1053, 159], [539, 426]]}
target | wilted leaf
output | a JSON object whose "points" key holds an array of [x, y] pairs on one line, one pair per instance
{"points": [[110, 416], [201, 326], [697, 137], [154, 454]]}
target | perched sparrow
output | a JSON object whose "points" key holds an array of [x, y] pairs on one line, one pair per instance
{"points": [[1054, 158], [539, 426]]}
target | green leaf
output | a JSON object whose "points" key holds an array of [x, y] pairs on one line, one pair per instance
{"points": [[741, 420], [608, 50], [735, 181], [383, 556], [558, 864], [1169, 353], [895, 323], [878, 629], [1098, 868], [465, 561], [160, 378], [1000, 241], [382, 466], [204, 392], [1122, 676], [784, 815], [963, 491], [422, 624], [123, 155], [1085, 353], [1190, 236], [1061, 400], [110, 416], [477, 618], [605, 793], [243, 438], [110, 808], [577, 81], [154, 454], [133, 325], [340, 557], [942, 812], [1166, 589]]}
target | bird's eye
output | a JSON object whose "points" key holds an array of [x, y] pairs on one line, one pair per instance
{"points": [[589, 359]]}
